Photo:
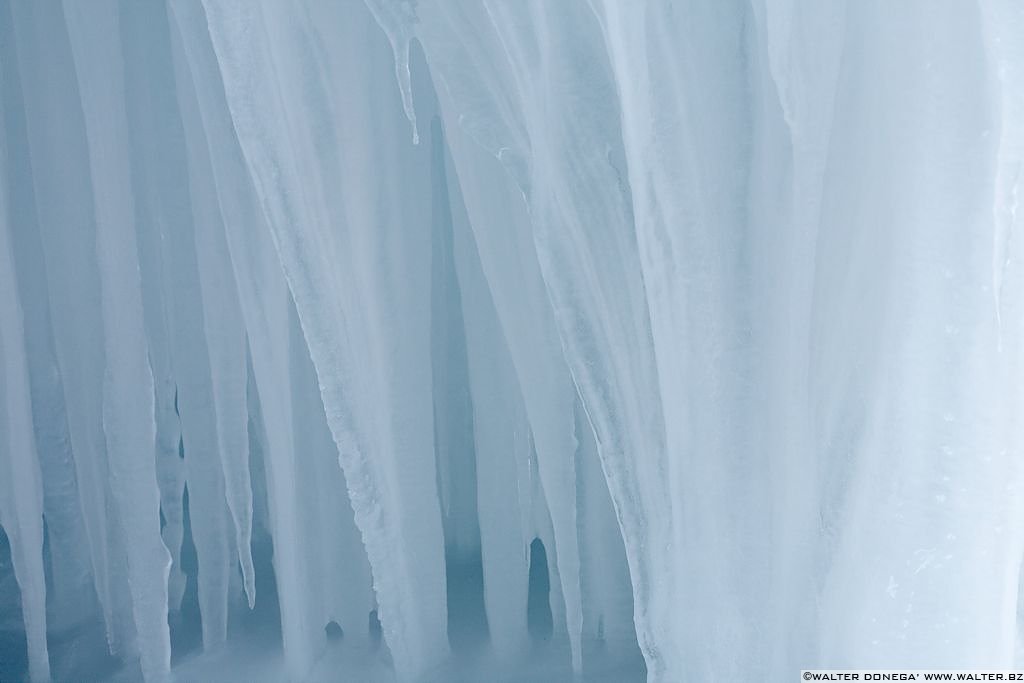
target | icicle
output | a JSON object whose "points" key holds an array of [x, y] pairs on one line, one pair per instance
{"points": [[264, 300], [170, 467], [64, 197], [170, 476], [128, 394], [606, 589], [226, 340], [453, 429], [1002, 24], [726, 272], [501, 433], [203, 471], [162, 178], [21, 494], [329, 236], [502, 233], [72, 597], [396, 18], [337, 568]]}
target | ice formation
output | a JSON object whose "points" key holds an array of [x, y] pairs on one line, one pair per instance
{"points": [[679, 340]]}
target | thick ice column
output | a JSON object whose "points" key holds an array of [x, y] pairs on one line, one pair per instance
{"points": [[225, 337], [21, 491], [799, 56], [160, 163], [128, 398], [321, 575], [60, 168], [685, 119], [513, 475], [453, 414], [72, 595], [497, 65], [203, 472], [503, 236], [907, 457], [264, 300], [502, 439], [227, 344], [353, 244], [337, 572], [170, 467]]}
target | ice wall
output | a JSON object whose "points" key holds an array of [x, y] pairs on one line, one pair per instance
{"points": [[324, 312]]}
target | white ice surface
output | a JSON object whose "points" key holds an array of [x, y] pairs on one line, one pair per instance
{"points": [[320, 319]]}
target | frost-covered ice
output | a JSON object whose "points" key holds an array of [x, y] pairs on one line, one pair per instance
{"points": [[462, 340]]}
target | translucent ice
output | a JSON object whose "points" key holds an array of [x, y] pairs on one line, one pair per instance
{"points": [[681, 340]]}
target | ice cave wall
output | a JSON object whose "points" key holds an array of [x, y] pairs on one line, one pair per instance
{"points": [[720, 300]]}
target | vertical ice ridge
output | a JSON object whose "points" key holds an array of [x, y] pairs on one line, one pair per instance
{"points": [[606, 588], [282, 216], [453, 432], [567, 212], [64, 206], [128, 394], [339, 572], [801, 53], [72, 597], [226, 341], [264, 300], [534, 347], [170, 468], [683, 138], [383, 439], [500, 432], [157, 310], [397, 18], [1002, 23], [21, 492], [163, 177], [776, 19], [204, 472]]}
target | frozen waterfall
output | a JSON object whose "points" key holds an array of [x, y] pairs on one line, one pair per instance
{"points": [[510, 340]]}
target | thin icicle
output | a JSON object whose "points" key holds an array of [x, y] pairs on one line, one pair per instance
{"points": [[1003, 25], [397, 18], [21, 492], [226, 341]]}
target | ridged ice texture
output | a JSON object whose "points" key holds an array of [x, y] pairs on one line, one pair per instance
{"points": [[721, 301]]}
